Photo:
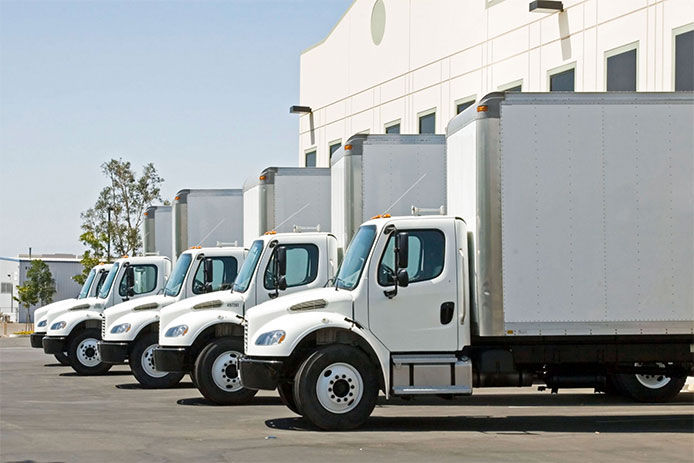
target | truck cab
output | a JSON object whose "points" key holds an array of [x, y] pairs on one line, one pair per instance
{"points": [[95, 279], [131, 329], [77, 329], [204, 334]]}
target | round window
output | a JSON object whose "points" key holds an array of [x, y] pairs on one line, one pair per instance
{"points": [[378, 22]]}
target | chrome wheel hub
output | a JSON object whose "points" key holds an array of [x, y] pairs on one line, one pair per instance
{"points": [[147, 362], [339, 388], [87, 353], [225, 372]]}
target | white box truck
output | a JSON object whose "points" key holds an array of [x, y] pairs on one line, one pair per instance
{"points": [[570, 263], [385, 174], [207, 217], [203, 335], [77, 329], [156, 231], [286, 199], [130, 330], [95, 279]]}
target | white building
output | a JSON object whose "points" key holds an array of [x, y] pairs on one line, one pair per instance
{"points": [[13, 271], [411, 65]]}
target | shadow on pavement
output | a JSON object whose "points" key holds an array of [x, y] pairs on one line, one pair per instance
{"points": [[56, 365], [182, 385], [201, 401], [108, 373], [512, 424]]}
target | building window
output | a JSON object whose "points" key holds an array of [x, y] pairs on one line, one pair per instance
{"points": [[463, 105], [562, 81], [5, 288], [516, 86], [427, 123], [621, 69], [333, 147], [311, 158], [393, 127], [684, 61]]}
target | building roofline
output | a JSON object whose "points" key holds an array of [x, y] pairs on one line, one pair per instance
{"points": [[331, 30]]}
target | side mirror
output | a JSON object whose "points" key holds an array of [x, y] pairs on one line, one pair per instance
{"points": [[403, 278], [208, 272], [282, 283], [402, 249], [281, 261], [130, 280]]}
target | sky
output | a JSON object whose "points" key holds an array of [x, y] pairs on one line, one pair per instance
{"points": [[202, 89]]}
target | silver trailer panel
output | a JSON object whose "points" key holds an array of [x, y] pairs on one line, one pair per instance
{"points": [[207, 217], [378, 174], [589, 198], [156, 231]]}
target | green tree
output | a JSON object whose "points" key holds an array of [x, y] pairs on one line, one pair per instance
{"points": [[126, 196], [38, 288]]}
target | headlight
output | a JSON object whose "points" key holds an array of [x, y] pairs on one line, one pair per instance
{"points": [[58, 325], [42, 323], [175, 331], [122, 328], [270, 338]]}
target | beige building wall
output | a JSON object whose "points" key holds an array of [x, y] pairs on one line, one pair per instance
{"points": [[436, 53]]}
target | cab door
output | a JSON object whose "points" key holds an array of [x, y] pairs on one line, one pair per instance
{"points": [[421, 317]]}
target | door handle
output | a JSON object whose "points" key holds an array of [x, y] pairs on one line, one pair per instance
{"points": [[447, 309]]}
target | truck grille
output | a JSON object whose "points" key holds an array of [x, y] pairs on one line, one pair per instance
{"points": [[103, 325], [245, 336]]}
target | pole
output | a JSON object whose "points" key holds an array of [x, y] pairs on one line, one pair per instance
{"points": [[9, 275], [108, 252]]}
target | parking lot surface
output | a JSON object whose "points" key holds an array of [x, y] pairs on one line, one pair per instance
{"points": [[47, 413]]}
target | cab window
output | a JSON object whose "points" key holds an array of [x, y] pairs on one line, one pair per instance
{"points": [[302, 266], [224, 271], [145, 277], [424, 261]]}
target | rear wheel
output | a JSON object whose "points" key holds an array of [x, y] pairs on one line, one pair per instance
{"points": [[83, 354], [651, 387], [141, 362], [217, 374], [62, 358], [337, 387]]}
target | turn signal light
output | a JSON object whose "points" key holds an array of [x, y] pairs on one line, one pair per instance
{"points": [[348, 147], [381, 216], [271, 232], [262, 177], [482, 108]]}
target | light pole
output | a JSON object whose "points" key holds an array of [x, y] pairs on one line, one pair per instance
{"points": [[9, 275], [108, 232]]}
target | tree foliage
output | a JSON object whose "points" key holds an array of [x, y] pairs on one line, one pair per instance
{"points": [[127, 196], [38, 288]]}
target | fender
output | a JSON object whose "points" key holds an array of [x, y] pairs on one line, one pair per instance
{"points": [[197, 321], [138, 322], [298, 326], [73, 319]]}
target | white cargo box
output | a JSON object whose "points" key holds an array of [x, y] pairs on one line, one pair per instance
{"points": [[156, 231]]}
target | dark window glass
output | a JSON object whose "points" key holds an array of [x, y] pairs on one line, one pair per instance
{"points": [[311, 159], [517, 88], [302, 266], [684, 61], [333, 148], [460, 107], [224, 270], [102, 278], [145, 277], [395, 128], [425, 260], [562, 81], [427, 124], [621, 71]]}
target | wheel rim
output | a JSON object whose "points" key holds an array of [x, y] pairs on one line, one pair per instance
{"points": [[339, 388], [653, 381], [88, 353], [147, 362], [225, 371]]}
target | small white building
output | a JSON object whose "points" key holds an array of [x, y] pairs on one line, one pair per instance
{"points": [[13, 272], [409, 66]]}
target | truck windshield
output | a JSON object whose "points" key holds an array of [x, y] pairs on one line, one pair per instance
{"points": [[173, 285], [87, 284], [103, 292], [243, 279], [355, 258]]}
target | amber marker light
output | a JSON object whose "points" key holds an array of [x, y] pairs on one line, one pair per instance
{"points": [[483, 108]]}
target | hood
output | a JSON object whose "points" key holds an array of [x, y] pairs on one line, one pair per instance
{"points": [[147, 303], [89, 303], [213, 300], [40, 313], [71, 319], [319, 299]]}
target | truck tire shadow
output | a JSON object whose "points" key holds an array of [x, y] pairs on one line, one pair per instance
{"points": [[181, 385], [529, 424], [201, 401], [108, 373]]}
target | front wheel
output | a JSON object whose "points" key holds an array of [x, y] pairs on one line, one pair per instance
{"points": [[217, 373], [62, 358], [286, 392], [141, 363], [650, 388], [337, 387], [83, 354]]}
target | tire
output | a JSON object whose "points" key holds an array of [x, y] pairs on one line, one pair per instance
{"points": [[62, 358], [337, 387], [650, 388], [142, 365], [286, 392], [217, 375], [83, 355], [192, 378]]}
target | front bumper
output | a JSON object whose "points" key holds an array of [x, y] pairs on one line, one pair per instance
{"points": [[36, 339], [172, 359], [54, 344], [113, 352], [260, 373]]}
